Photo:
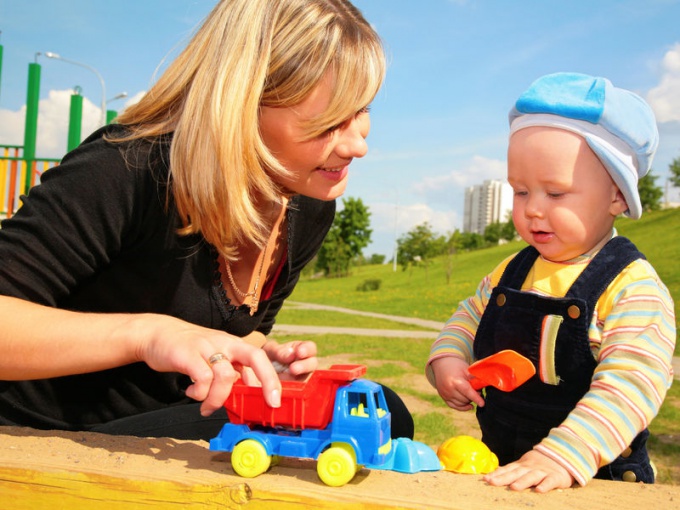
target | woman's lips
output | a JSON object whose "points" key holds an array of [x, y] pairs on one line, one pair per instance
{"points": [[335, 173]]}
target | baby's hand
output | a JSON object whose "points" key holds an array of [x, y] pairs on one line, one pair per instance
{"points": [[533, 469], [453, 383]]}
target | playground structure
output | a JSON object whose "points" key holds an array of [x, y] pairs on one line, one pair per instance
{"points": [[18, 174], [20, 168]]}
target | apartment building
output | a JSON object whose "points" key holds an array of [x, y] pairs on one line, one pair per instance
{"points": [[486, 203]]}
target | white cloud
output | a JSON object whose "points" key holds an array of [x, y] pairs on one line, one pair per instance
{"points": [[53, 122], [12, 127], [397, 218], [665, 98], [442, 188], [390, 221], [135, 99]]}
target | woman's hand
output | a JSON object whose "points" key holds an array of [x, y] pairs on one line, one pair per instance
{"points": [[212, 359], [453, 383], [533, 469], [297, 359]]}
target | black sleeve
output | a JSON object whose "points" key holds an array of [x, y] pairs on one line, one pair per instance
{"points": [[73, 223]]}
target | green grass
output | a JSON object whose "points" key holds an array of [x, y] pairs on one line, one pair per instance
{"points": [[425, 293], [664, 442], [410, 351], [291, 315], [392, 359], [418, 292]]}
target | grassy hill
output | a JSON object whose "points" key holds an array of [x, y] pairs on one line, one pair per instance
{"points": [[424, 292]]}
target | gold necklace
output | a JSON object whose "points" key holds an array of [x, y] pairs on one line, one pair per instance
{"points": [[254, 301], [254, 298]]}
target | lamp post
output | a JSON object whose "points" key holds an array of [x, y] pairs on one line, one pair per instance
{"points": [[56, 56], [122, 95]]}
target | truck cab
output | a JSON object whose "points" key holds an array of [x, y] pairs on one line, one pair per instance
{"points": [[361, 419]]}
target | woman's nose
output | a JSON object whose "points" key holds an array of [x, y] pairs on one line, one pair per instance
{"points": [[352, 141]]}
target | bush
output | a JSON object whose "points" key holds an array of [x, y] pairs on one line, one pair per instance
{"points": [[369, 285]]}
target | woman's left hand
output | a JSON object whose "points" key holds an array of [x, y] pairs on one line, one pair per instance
{"points": [[293, 360], [298, 358]]}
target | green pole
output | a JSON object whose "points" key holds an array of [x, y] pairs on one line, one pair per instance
{"points": [[75, 121], [31, 130], [111, 115]]}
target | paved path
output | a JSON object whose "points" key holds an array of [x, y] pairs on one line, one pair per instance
{"points": [[390, 333], [435, 325]]}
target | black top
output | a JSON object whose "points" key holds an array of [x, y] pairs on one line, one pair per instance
{"points": [[96, 235]]}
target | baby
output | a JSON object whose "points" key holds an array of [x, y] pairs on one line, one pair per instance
{"points": [[581, 302]]}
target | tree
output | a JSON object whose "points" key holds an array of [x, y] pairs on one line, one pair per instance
{"points": [[452, 245], [508, 230], [418, 246], [674, 169], [650, 194], [377, 259], [334, 256], [468, 241], [493, 232], [348, 236]]}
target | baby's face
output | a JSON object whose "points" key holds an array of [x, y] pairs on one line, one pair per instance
{"points": [[565, 202]]}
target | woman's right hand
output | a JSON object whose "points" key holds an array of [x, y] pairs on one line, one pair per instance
{"points": [[178, 346], [452, 380], [40, 342]]}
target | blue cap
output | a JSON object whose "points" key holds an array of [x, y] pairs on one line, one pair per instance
{"points": [[618, 125]]}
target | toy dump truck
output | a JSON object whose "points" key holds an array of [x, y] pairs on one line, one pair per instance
{"points": [[333, 417]]}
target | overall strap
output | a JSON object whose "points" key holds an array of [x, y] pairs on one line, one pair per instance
{"points": [[518, 268], [613, 258]]}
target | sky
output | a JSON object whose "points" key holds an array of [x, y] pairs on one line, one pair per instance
{"points": [[439, 124]]}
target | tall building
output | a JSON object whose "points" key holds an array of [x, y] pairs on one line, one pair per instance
{"points": [[485, 204]]}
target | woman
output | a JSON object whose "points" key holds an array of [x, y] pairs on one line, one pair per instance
{"points": [[146, 270]]}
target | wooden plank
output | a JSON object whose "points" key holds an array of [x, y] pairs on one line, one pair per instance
{"points": [[78, 471]]}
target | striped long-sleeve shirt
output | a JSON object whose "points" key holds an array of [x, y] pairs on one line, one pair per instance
{"points": [[632, 337]]}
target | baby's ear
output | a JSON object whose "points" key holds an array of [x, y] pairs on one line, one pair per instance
{"points": [[618, 205]]}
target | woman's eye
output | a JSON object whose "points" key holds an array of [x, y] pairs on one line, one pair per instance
{"points": [[333, 129]]}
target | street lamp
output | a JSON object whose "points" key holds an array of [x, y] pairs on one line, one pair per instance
{"points": [[122, 95], [56, 56]]}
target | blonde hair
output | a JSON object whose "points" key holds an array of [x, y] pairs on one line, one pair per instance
{"points": [[248, 54]]}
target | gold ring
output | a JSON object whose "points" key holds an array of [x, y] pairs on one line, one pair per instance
{"points": [[216, 358]]}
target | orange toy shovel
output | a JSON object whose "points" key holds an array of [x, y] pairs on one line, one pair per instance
{"points": [[505, 370]]}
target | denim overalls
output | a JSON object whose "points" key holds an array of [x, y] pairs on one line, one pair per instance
{"points": [[553, 334]]}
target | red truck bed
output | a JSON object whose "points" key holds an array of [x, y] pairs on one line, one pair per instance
{"points": [[304, 404]]}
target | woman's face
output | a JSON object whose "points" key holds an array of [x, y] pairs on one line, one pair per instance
{"points": [[318, 168]]}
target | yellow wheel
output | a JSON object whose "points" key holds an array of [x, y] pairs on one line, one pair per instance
{"points": [[249, 458], [337, 465]]}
